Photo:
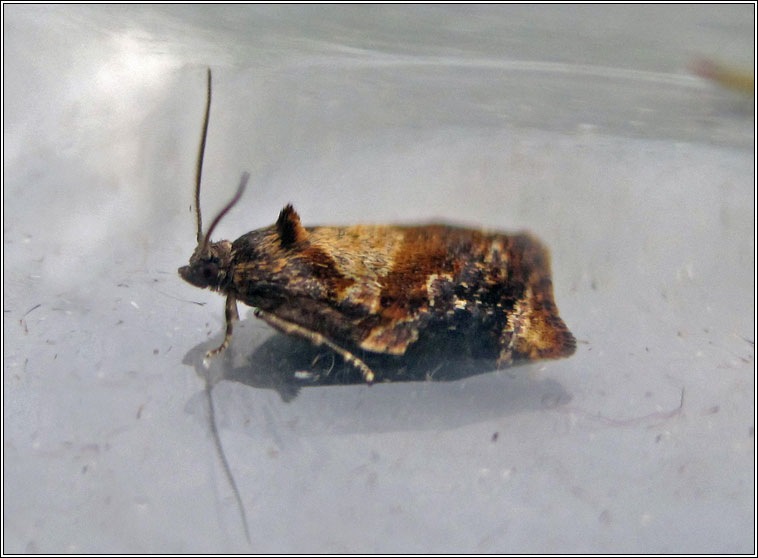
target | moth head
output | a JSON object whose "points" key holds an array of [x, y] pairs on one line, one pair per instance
{"points": [[208, 265], [210, 262]]}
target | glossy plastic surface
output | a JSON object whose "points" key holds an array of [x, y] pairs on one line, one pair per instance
{"points": [[582, 124]]}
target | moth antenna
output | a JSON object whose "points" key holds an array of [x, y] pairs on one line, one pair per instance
{"points": [[232, 203], [200, 156]]}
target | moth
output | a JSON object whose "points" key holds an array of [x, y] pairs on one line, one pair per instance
{"points": [[384, 289]]}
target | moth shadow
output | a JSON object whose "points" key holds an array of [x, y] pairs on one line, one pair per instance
{"points": [[288, 364]]}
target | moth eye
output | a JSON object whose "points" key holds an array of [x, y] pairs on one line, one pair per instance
{"points": [[210, 271]]}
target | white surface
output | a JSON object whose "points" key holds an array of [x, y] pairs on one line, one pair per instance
{"points": [[581, 124]]}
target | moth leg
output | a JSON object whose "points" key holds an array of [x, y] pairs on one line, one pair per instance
{"points": [[317, 339], [232, 316]]}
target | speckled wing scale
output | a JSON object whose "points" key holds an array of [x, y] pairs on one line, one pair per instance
{"points": [[383, 289]]}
